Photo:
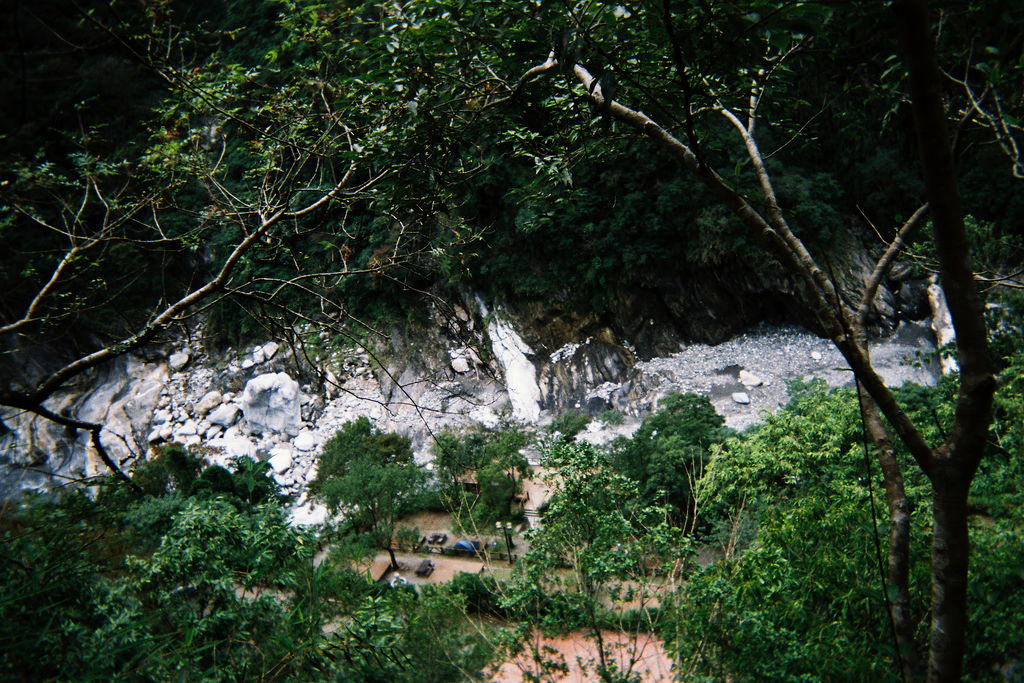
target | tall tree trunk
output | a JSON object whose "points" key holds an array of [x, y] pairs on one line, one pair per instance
{"points": [[953, 464], [898, 574], [950, 553]]}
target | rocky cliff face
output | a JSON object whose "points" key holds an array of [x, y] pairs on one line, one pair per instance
{"points": [[474, 366]]}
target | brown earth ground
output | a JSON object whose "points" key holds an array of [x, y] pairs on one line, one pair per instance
{"points": [[642, 654]]}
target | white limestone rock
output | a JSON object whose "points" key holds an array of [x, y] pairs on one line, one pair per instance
{"points": [[741, 397], [513, 354], [190, 428], [308, 515], [281, 461], [331, 384], [305, 441], [486, 417], [177, 361], [269, 350], [942, 325], [271, 403], [238, 446], [749, 379], [459, 363], [208, 402], [224, 415]]}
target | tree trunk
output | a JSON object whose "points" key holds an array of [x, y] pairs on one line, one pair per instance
{"points": [[898, 575], [950, 553], [394, 560], [954, 464]]}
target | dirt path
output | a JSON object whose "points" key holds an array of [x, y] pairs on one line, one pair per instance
{"points": [[445, 567], [641, 653]]}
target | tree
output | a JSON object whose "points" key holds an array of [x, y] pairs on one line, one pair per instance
{"points": [[600, 545], [494, 461], [372, 477], [251, 180], [666, 455], [776, 34]]}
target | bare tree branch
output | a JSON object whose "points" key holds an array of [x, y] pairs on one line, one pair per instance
{"points": [[884, 263]]}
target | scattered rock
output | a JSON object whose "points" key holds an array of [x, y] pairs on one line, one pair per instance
{"points": [[269, 350], [816, 355], [305, 441], [208, 402], [308, 515], [238, 446], [178, 361], [741, 397], [224, 415], [188, 429], [280, 462], [460, 364], [248, 363], [749, 379], [331, 384]]}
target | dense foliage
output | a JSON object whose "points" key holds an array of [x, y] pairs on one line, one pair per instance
{"points": [[367, 155], [479, 476], [172, 125], [666, 455], [195, 582]]}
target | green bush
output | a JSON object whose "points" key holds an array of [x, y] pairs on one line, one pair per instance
{"points": [[481, 593], [666, 455], [492, 459], [568, 425], [357, 440]]}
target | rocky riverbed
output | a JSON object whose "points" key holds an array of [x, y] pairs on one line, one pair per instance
{"points": [[261, 402]]}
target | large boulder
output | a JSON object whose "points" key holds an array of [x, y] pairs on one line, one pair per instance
{"points": [[272, 403]]}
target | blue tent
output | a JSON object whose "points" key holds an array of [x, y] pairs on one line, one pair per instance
{"points": [[466, 546]]}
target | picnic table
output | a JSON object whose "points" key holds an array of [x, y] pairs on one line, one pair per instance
{"points": [[425, 569]]}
